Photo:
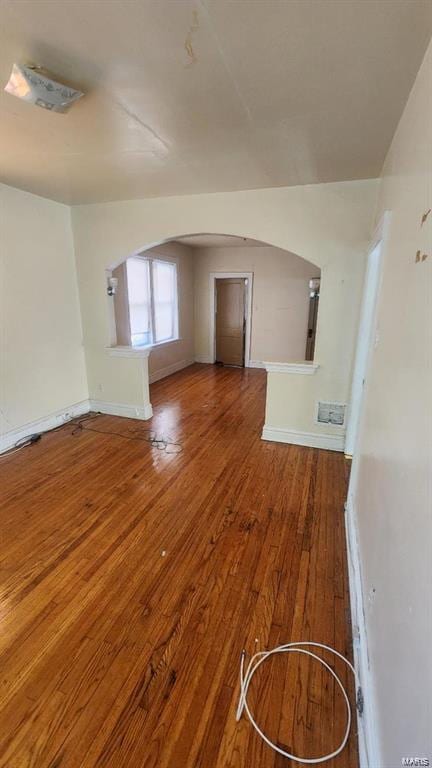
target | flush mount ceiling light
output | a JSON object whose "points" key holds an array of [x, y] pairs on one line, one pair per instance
{"points": [[31, 85]]}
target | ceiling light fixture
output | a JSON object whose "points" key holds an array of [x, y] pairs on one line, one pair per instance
{"points": [[30, 84]]}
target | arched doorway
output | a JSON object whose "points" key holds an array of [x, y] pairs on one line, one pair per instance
{"points": [[272, 325]]}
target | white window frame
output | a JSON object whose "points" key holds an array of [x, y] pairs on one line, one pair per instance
{"points": [[175, 337]]}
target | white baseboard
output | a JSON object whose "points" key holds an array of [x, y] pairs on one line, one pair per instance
{"points": [[366, 723], [120, 409], [168, 370], [10, 438], [309, 439], [207, 359], [56, 419]]}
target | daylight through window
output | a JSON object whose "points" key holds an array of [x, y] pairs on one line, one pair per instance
{"points": [[152, 296]]}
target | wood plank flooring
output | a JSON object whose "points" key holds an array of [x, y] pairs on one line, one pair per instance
{"points": [[132, 577]]}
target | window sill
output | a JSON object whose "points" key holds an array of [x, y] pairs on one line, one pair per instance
{"points": [[143, 351], [304, 368], [163, 343], [132, 352]]}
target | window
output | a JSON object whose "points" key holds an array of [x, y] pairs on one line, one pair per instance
{"points": [[152, 293], [164, 300], [138, 283]]}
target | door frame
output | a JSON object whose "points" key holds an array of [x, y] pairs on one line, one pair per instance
{"points": [[248, 306], [366, 337], [367, 736]]}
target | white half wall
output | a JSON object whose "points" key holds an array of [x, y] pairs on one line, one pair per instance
{"points": [[41, 348], [326, 224], [390, 497]]}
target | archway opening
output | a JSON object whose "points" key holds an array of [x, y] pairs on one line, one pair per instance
{"points": [[216, 298]]}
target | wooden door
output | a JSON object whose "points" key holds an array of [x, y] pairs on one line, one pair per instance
{"points": [[230, 320]]}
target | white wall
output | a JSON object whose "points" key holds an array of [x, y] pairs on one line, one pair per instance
{"points": [[327, 224], [280, 302], [393, 500], [42, 356]]}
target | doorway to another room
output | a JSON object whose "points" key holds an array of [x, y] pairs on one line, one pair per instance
{"points": [[230, 320], [231, 317], [314, 288]]}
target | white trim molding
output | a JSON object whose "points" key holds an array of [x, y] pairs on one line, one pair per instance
{"points": [[162, 373], [213, 276], [309, 439], [366, 722], [250, 364], [304, 368], [56, 419], [132, 352], [120, 409]]}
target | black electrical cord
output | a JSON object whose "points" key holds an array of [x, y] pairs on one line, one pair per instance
{"points": [[146, 436], [23, 443], [80, 424]]}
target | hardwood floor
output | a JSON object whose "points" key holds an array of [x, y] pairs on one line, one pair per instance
{"points": [[132, 577]]}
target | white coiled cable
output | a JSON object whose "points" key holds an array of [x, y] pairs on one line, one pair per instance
{"points": [[256, 661]]}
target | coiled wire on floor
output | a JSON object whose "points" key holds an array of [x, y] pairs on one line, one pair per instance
{"points": [[255, 662]]}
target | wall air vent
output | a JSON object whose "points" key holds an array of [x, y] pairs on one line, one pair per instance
{"points": [[331, 413]]}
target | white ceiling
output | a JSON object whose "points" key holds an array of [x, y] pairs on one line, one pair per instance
{"points": [[218, 241], [186, 97]]}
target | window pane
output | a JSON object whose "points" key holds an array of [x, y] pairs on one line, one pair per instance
{"points": [[138, 280], [165, 300]]}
